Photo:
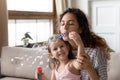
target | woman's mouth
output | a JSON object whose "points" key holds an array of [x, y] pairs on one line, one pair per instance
{"points": [[61, 35]]}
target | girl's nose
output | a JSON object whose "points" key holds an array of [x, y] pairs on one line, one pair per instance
{"points": [[59, 49]]}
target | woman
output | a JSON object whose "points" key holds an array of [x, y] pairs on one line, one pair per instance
{"points": [[94, 50]]}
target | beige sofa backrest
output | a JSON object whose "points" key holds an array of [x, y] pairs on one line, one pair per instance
{"points": [[114, 67], [23, 62]]}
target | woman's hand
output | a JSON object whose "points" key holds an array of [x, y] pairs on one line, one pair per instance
{"points": [[76, 38], [84, 60]]}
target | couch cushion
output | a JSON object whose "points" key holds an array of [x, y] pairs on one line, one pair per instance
{"points": [[22, 62], [11, 78], [114, 67]]}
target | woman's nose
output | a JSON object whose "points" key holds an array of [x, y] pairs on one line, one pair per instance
{"points": [[66, 27]]}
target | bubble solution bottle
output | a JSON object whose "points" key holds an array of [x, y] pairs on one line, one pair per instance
{"points": [[39, 73]]}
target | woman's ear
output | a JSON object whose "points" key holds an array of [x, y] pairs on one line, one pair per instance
{"points": [[80, 31]]}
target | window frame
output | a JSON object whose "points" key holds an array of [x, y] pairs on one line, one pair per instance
{"points": [[14, 14], [30, 15], [21, 15]]}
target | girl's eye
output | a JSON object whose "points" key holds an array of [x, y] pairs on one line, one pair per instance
{"points": [[55, 49], [62, 46]]}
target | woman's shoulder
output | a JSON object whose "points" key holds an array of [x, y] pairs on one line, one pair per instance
{"points": [[93, 51]]}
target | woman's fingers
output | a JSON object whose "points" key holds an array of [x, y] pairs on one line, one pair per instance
{"points": [[83, 60], [76, 38]]}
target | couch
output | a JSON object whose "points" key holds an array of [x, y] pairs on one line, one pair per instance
{"points": [[18, 63], [114, 67]]}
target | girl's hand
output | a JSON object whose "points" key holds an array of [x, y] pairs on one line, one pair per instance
{"points": [[43, 76]]}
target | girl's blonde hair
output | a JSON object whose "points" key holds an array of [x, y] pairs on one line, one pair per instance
{"points": [[54, 61]]}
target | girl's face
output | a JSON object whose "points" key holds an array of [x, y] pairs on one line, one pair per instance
{"points": [[69, 23], [59, 50]]}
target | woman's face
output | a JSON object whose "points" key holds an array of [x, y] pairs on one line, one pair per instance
{"points": [[69, 23]]}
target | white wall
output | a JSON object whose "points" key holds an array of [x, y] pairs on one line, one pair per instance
{"points": [[82, 4], [105, 18]]}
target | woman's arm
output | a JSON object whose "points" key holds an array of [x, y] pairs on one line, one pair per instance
{"points": [[102, 65], [98, 71], [92, 72], [85, 61]]}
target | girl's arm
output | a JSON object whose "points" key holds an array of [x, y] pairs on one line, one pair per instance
{"points": [[53, 75], [80, 49], [43, 76]]}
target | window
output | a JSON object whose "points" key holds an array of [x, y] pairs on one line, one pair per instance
{"points": [[34, 16]]}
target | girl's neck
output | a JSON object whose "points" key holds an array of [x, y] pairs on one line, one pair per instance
{"points": [[64, 62], [62, 65]]}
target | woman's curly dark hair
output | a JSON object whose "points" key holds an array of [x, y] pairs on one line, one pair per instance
{"points": [[89, 38]]}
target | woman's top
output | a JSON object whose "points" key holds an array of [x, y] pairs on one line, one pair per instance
{"points": [[99, 62], [66, 75]]}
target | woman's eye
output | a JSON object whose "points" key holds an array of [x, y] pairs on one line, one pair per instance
{"points": [[62, 23], [71, 23], [68, 24]]}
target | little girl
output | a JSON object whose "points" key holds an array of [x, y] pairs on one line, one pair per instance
{"points": [[63, 63]]}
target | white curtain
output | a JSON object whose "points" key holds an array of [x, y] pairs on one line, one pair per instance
{"points": [[3, 24], [60, 7]]}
